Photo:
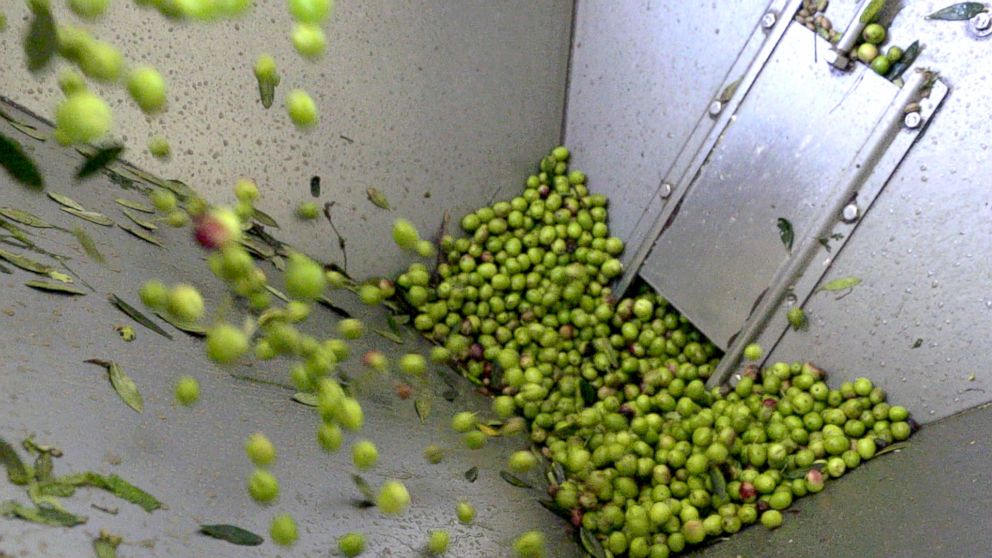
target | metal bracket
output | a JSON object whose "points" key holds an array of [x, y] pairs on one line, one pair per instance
{"points": [[706, 133], [871, 169]]}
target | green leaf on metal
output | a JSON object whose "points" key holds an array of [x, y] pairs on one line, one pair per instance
{"points": [[24, 218], [961, 11], [841, 284], [785, 232], [88, 245], [142, 234], [91, 216], [41, 41], [232, 534], [66, 201], [20, 167], [137, 316], [96, 162], [58, 288]]}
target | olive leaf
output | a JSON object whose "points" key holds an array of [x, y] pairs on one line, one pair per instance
{"points": [[554, 508], [16, 232], [423, 407], [137, 206], [489, 431], [105, 546], [88, 245], [91, 216], [148, 225], [17, 472], [24, 218], [58, 288], [389, 335], [893, 447], [41, 41], [719, 483], [140, 233], [871, 11], [267, 88], [729, 90], [137, 316], [97, 161], [590, 543], [364, 488], [42, 516], [264, 218], [377, 198], [277, 293], [26, 129], [315, 186], [841, 284], [908, 57], [25, 263], [20, 167], [918, 343], [587, 392], [303, 398], [231, 534], [259, 249], [515, 481], [785, 232], [65, 201], [472, 474], [961, 11], [116, 486], [123, 384]]}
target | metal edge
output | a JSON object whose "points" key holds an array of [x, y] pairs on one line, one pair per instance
{"points": [[705, 135], [568, 72], [870, 171]]}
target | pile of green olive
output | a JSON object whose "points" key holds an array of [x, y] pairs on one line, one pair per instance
{"points": [[614, 390]]}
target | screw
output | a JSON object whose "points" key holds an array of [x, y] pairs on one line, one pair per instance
{"points": [[982, 21], [768, 20], [666, 190], [913, 120], [715, 108], [851, 213]]}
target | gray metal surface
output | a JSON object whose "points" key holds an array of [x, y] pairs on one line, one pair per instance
{"points": [[438, 104], [193, 459], [925, 501], [777, 159], [922, 251], [642, 76]]}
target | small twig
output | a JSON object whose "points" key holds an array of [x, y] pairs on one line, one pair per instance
{"points": [[346, 138], [341, 239]]}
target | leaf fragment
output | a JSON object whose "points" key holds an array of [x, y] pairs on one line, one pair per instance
{"points": [[26, 129], [841, 284], [423, 407], [893, 447], [20, 167], [377, 198], [125, 387], [719, 483], [961, 11], [137, 206], [143, 223], [513, 480], [194, 329], [137, 316], [126, 332], [116, 486], [587, 391], [785, 232], [591, 544], [41, 515], [17, 472], [57, 288], [66, 201], [389, 335], [918, 343], [264, 218], [142, 234], [472, 474], [25, 263], [105, 546], [364, 488], [232, 534], [91, 216], [489, 431], [41, 41], [97, 161], [24, 218], [305, 398], [89, 247]]}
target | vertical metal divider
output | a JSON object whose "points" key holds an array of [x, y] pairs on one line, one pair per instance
{"points": [[710, 127], [867, 175], [568, 72]]}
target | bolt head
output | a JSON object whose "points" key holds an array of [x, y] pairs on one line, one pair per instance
{"points": [[715, 108], [666, 190], [851, 213], [768, 20], [913, 120], [982, 21]]}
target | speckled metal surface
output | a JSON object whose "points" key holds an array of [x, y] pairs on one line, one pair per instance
{"points": [[922, 251], [436, 104], [193, 459], [642, 76], [927, 500]]}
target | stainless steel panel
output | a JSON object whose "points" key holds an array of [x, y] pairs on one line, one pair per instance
{"points": [[193, 459], [923, 252], [781, 157], [642, 75], [451, 100]]}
